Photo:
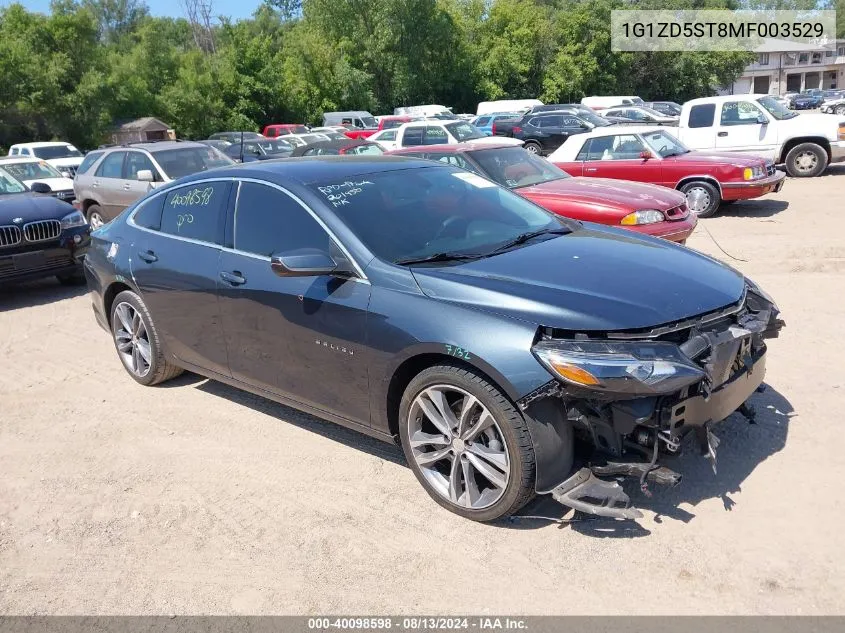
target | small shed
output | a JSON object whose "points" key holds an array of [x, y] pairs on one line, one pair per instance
{"points": [[141, 131]]}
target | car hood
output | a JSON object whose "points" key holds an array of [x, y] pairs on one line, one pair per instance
{"points": [[709, 158], [31, 206], [55, 184], [821, 122], [624, 195], [69, 161], [593, 279]]}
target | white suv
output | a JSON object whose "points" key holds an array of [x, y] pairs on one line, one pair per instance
{"points": [[63, 156]]}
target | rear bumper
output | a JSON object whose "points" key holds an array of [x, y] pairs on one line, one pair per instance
{"points": [[754, 188], [674, 231]]}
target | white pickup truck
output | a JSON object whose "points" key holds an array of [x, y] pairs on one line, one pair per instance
{"points": [[804, 143]]}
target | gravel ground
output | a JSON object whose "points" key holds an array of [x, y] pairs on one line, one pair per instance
{"points": [[196, 498]]}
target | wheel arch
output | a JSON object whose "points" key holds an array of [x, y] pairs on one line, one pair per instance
{"points": [[817, 140], [698, 177], [429, 356], [109, 295]]}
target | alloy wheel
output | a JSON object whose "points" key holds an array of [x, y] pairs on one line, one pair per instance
{"points": [[132, 339], [458, 446], [698, 199], [532, 149], [95, 220], [805, 162]]}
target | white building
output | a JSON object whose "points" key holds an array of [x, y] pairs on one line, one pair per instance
{"points": [[783, 67]]}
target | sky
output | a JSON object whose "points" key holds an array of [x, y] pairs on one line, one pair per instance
{"points": [[173, 8]]}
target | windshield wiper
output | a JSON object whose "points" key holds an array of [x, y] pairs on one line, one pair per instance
{"points": [[524, 237], [440, 257]]}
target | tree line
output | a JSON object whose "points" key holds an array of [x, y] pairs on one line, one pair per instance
{"points": [[75, 72]]}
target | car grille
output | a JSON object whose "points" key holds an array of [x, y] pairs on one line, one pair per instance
{"points": [[67, 195], [677, 213], [770, 169], [42, 231], [9, 235]]}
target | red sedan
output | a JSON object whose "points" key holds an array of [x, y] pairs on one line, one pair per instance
{"points": [[654, 155], [643, 208]]}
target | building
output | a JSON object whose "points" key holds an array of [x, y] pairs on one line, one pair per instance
{"points": [[142, 130], [783, 67]]}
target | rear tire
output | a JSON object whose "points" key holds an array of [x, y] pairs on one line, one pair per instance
{"points": [[95, 216], [806, 160], [137, 342], [532, 147], [486, 465], [703, 198], [840, 110]]}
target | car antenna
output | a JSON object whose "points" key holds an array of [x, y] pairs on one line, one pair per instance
{"points": [[242, 146]]}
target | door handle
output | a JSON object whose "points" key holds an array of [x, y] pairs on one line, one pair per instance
{"points": [[126, 187], [722, 134], [95, 184], [591, 169], [235, 278], [148, 256]]}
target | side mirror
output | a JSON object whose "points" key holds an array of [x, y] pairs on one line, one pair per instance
{"points": [[145, 175], [645, 154], [761, 119], [306, 262], [40, 187]]}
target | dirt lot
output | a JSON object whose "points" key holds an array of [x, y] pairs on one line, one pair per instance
{"points": [[196, 498]]}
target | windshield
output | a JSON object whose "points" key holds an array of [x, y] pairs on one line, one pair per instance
{"points": [[184, 161], [32, 170], [464, 131], [56, 151], [593, 119], [664, 144], [514, 167], [654, 112], [275, 146], [776, 108], [8, 184], [416, 213]]}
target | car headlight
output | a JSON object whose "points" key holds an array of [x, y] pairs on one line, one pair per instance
{"points": [[752, 173], [646, 216], [757, 290], [72, 220], [636, 368]]}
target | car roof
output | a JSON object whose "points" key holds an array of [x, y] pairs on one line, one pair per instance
{"points": [[156, 146], [36, 144], [20, 159], [305, 170], [331, 144], [453, 148], [612, 130], [723, 98]]}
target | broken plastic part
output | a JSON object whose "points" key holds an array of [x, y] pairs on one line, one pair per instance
{"points": [[661, 475], [584, 492]]}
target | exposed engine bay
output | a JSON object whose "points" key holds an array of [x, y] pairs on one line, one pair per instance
{"points": [[633, 397]]}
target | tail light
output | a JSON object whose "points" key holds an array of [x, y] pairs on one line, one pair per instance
{"points": [[517, 129], [493, 128]]}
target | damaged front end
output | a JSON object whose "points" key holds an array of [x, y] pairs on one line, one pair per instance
{"points": [[640, 393]]}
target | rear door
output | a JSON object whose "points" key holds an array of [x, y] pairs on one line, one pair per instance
{"points": [[175, 263], [108, 185], [299, 337], [618, 156]]}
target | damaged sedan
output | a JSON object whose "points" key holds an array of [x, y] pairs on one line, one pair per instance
{"points": [[426, 305]]}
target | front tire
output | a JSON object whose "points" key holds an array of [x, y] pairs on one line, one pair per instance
{"points": [[806, 160], [466, 443], [840, 110], [703, 198], [137, 342], [532, 148]]}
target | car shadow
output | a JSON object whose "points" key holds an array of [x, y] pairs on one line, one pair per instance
{"points": [[347, 437], [743, 446], [753, 209], [35, 293]]}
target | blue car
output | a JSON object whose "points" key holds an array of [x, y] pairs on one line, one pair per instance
{"points": [[485, 121], [420, 303]]}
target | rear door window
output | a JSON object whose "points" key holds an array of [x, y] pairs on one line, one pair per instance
{"points": [[413, 136], [88, 161], [702, 115], [112, 166], [435, 135], [196, 211], [135, 162]]}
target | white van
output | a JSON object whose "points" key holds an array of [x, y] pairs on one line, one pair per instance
{"points": [[507, 105], [601, 103], [422, 110]]}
